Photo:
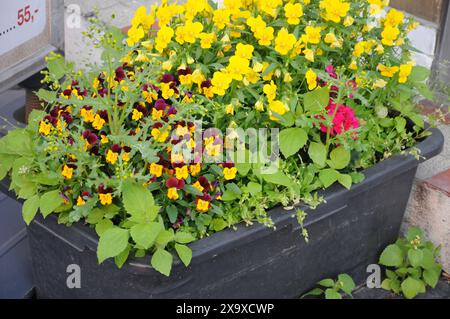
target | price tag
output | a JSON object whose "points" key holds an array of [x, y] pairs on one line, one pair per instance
{"points": [[21, 21]]}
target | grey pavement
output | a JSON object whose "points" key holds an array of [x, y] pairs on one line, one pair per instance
{"points": [[113, 12]]}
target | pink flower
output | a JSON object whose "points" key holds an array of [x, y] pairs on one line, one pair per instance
{"points": [[330, 71], [344, 120]]}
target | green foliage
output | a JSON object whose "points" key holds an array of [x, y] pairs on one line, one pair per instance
{"points": [[411, 265], [292, 140], [317, 100], [333, 289], [112, 243]]}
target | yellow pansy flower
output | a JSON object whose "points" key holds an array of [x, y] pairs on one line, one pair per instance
{"points": [[311, 79], [182, 172], [195, 169], [229, 109], [112, 157], [309, 54], [389, 35], [334, 10], [379, 84], [135, 35], [238, 67], [312, 34], [221, 18], [220, 83], [229, 173], [198, 186], [98, 122], [45, 128], [270, 90], [172, 193], [244, 51], [388, 71], [80, 201], [284, 42], [393, 18], [293, 12], [105, 199], [265, 36], [67, 172], [136, 116], [277, 107], [163, 38], [207, 39], [202, 206], [404, 72]]}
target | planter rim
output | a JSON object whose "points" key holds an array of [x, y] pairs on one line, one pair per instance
{"points": [[214, 244]]}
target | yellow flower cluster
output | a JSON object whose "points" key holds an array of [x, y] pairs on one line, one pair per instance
{"points": [[334, 10], [391, 31], [140, 24]]}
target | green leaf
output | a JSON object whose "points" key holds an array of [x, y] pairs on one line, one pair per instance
{"points": [[122, 258], [414, 232], [278, 179], [162, 261], [165, 237], [57, 66], [428, 260], [6, 163], [145, 234], [424, 90], [183, 237], [243, 168], [386, 284], [229, 196], [412, 287], [328, 177], [340, 158], [102, 226], [332, 294], [345, 180], [314, 292], [326, 283], [316, 101], [192, 190], [431, 276], [112, 243], [292, 140], [95, 216], [318, 153], [172, 212], [218, 224], [400, 124], [347, 283], [392, 256], [390, 274], [415, 257], [49, 202], [30, 208], [234, 188], [419, 74], [185, 253], [34, 119], [46, 95], [254, 188], [357, 177], [17, 142], [139, 202]]}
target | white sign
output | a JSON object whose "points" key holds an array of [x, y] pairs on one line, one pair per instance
{"points": [[21, 21]]}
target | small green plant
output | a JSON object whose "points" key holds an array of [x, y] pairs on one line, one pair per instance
{"points": [[334, 289], [412, 263]]}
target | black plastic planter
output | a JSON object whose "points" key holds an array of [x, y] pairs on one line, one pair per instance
{"points": [[346, 235]]}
